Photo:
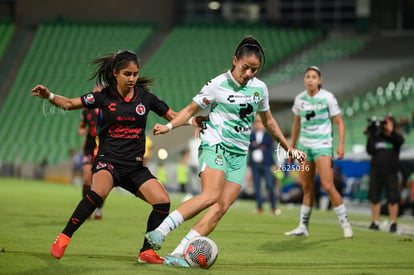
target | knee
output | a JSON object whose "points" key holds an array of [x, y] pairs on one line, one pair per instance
{"points": [[209, 199], [220, 209], [308, 188], [330, 190]]}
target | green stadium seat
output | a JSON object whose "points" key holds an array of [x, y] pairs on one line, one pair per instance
{"points": [[64, 69]]}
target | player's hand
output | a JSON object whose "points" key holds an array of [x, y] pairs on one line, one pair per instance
{"points": [[160, 129], [298, 155], [340, 152], [41, 91], [198, 120]]}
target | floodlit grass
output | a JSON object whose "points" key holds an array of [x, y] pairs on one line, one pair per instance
{"points": [[32, 213]]}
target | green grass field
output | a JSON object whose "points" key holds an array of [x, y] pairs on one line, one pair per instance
{"points": [[32, 213]]}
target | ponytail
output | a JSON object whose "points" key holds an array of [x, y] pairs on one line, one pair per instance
{"points": [[109, 63]]}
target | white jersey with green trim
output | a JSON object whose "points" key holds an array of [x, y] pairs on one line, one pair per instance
{"points": [[315, 118], [232, 108]]}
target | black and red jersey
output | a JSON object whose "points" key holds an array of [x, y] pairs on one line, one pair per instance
{"points": [[122, 122], [89, 117]]}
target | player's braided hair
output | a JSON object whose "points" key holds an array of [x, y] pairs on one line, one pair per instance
{"points": [[250, 46], [116, 61]]}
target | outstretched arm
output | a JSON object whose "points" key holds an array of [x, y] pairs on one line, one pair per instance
{"points": [[180, 119], [57, 100]]}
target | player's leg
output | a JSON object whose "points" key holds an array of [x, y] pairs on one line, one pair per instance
{"points": [[153, 192], [206, 224], [101, 186], [212, 181], [307, 177], [324, 165]]}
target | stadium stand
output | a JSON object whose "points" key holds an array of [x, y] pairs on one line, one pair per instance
{"points": [[7, 29], [58, 58], [395, 98], [327, 50]]}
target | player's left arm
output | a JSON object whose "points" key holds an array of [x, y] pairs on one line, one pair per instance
{"points": [[341, 134]]}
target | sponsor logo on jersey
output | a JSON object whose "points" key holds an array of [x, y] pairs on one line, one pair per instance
{"points": [[219, 160], [206, 101], [140, 109], [101, 165], [111, 107], [89, 99]]}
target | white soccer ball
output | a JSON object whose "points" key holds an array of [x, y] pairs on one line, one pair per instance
{"points": [[201, 252]]}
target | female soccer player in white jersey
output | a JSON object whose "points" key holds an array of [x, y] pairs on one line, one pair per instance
{"points": [[232, 98], [314, 109]]}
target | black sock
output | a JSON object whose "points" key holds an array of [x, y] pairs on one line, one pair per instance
{"points": [[85, 189], [84, 209], [158, 214]]}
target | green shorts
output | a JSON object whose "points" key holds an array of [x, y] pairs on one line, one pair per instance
{"points": [[313, 154], [216, 157]]}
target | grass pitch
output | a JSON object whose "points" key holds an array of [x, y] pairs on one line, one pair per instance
{"points": [[32, 213]]}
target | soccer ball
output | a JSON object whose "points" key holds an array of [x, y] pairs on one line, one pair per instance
{"points": [[201, 252]]}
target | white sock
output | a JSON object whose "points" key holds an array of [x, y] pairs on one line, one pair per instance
{"points": [[180, 248], [170, 223], [342, 216], [305, 213]]}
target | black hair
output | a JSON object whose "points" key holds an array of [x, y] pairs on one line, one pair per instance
{"points": [[250, 46], [314, 68], [104, 74], [317, 70]]}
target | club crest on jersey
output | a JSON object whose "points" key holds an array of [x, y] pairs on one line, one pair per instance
{"points": [[140, 109], [219, 160], [100, 165], [89, 99], [256, 97]]}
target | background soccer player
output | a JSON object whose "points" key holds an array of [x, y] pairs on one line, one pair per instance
{"points": [[314, 109]]}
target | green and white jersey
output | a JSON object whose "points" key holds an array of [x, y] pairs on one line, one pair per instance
{"points": [[232, 108], [315, 118]]}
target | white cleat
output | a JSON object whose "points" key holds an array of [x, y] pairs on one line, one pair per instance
{"points": [[298, 231], [348, 233]]}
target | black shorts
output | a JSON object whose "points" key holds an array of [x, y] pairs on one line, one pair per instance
{"points": [[128, 177], [378, 183]]}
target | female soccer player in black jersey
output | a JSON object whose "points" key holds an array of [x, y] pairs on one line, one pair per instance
{"points": [[124, 105]]}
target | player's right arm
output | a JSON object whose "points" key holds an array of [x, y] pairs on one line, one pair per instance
{"points": [[295, 130], [57, 100]]}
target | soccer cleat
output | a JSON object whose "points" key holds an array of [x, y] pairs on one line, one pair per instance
{"points": [[276, 212], [58, 247], [98, 214], [348, 233], [176, 260], [393, 227], [155, 238], [149, 256], [374, 226], [298, 231]]}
